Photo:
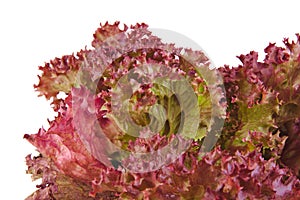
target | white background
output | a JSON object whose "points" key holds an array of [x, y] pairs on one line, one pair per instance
{"points": [[33, 32]]}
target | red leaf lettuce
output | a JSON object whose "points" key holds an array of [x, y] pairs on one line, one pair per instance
{"points": [[256, 156]]}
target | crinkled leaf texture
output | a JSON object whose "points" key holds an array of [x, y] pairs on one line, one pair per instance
{"points": [[271, 91], [256, 156]]}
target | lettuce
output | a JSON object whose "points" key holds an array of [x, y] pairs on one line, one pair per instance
{"points": [[97, 147]]}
